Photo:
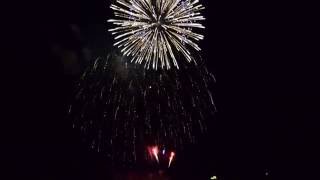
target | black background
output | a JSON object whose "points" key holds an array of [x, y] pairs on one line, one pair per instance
{"points": [[266, 93]]}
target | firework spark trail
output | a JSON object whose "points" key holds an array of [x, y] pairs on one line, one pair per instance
{"points": [[120, 107], [152, 31], [155, 152], [171, 158]]}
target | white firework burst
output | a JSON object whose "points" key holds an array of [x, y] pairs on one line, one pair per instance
{"points": [[152, 31]]}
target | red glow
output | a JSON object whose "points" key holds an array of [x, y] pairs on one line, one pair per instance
{"points": [[153, 150], [172, 154], [154, 153]]}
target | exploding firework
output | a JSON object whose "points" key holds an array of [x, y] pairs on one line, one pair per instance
{"points": [[120, 108], [153, 31]]}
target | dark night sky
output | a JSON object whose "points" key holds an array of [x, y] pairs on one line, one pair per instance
{"points": [[267, 90]]}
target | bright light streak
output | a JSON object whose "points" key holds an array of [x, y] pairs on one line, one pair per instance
{"points": [[171, 158], [155, 152]]}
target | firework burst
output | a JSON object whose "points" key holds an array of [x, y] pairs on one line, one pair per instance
{"points": [[152, 31]]}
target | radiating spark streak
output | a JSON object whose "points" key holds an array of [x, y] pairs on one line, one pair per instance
{"points": [[155, 152], [171, 158], [152, 31]]}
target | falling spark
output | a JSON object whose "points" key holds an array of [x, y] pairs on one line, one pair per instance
{"points": [[155, 152], [171, 158], [117, 113], [153, 31]]}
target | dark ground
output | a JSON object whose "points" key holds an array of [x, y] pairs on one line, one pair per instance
{"points": [[267, 91]]}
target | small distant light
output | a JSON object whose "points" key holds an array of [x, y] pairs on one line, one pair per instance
{"points": [[267, 173], [214, 177], [163, 151]]}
